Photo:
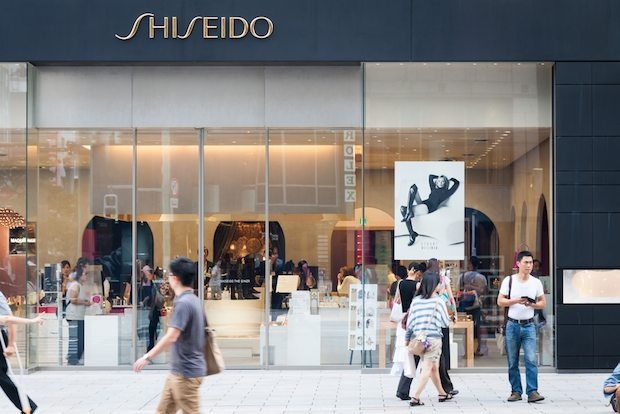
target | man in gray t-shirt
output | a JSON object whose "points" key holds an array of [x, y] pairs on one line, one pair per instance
{"points": [[186, 335]]}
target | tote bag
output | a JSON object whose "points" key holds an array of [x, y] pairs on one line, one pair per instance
{"points": [[396, 315], [213, 355]]}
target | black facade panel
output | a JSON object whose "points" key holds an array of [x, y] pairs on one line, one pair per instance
{"points": [[606, 241], [606, 199], [576, 340], [606, 362], [606, 315], [606, 340], [319, 31], [606, 73], [574, 198], [576, 73], [572, 362], [574, 177], [605, 119], [573, 154], [575, 315], [492, 30], [605, 153], [305, 31], [574, 240], [606, 177], [573, 110]]}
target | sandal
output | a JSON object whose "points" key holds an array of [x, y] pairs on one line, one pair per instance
{"points": [[415, 401], [444, 398]]}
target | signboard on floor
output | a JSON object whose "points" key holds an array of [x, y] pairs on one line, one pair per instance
{"points": [[362, 317]]}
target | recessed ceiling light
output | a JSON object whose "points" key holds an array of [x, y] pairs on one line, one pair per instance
{"points": [[379, 140]]}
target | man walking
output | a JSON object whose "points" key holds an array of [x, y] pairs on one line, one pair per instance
{"points": [[522, 293], [186, 335]]}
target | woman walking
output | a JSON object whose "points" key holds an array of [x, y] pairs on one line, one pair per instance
{"points": [[427, 317], [403, 297]]}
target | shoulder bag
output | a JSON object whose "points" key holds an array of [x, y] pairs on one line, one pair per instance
{"points": [[213, 355], [420, 343], [500, 337], [396, 314]]}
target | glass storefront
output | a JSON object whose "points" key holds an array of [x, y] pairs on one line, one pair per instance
{"points": [[296, 226]]}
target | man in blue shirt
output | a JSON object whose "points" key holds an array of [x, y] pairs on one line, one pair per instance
{"points": [[611, 388], [186, 335]]}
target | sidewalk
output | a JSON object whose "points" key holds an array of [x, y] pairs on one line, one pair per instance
{"points": [[123, 392]]}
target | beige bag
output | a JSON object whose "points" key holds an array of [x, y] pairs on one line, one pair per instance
{"points": [[419, 344], [212, 353]]}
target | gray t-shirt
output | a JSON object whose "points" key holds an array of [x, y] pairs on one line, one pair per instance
{"points": [[187, 358]]}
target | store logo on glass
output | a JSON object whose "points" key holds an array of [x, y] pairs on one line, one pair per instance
{"points": [[210, 27]]}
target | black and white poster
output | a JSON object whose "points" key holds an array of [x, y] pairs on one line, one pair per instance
{"points": [[429, 210]]}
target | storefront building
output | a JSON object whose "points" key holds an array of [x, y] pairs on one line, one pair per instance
{"points": [[251, 137]]}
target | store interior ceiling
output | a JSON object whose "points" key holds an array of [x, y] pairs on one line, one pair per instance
{"points": [[479, 148]]}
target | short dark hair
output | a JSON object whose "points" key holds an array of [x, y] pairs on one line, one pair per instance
{"points": [[428, 284], [65, 263], [401, 272], [420, 267], [524, 253], [475, 262], [184, 269]]}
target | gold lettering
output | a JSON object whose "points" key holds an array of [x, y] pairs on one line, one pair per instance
{"points": [[152, 27], [175, 28], [223, 28], [231, 27], [190, 27], [135, 27], [260, 27], [269, 27], [206, 27]]}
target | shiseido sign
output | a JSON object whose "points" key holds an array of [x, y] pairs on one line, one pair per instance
{"points": [[209, 27]]}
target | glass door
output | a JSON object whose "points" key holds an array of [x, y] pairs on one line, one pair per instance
{"points": [[236, 291]]}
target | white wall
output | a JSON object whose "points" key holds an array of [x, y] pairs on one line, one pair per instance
{"points": [[159, 97]]}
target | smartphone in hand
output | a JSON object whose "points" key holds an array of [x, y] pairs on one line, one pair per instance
{"points": [[528, 299]]}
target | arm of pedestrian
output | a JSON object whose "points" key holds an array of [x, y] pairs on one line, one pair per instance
{"points": [[171, 336]]}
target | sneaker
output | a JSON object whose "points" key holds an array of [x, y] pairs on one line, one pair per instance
{"points": [[514, 396], [534, 397]]}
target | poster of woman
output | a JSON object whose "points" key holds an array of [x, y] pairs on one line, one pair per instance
{"points": [[429, 210]]}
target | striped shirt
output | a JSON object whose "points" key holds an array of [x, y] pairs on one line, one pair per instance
{"points": [[419, 319]]}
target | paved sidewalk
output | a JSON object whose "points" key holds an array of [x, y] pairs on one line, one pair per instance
{"points": [[123, 392]]}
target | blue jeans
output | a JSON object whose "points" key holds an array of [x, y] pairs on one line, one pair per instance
{"points": [[517, 336]]}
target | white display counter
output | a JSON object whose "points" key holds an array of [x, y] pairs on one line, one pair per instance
{"points": [[101, 340]]}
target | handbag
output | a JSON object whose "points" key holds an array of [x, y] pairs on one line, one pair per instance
{"points": [[396, 314], [213, 355], [419, 345], [467, 301]]}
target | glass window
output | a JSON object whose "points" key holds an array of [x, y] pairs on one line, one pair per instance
{"points": [[487, 127], [83, 214]]}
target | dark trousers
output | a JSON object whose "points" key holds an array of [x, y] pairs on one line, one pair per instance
{"points": [[153, 324], [76, 341], [7, 384], [404, 385], [444, 361]]}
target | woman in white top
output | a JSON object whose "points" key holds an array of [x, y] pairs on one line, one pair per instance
{"points": [[79, 299], [427, 316]]}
